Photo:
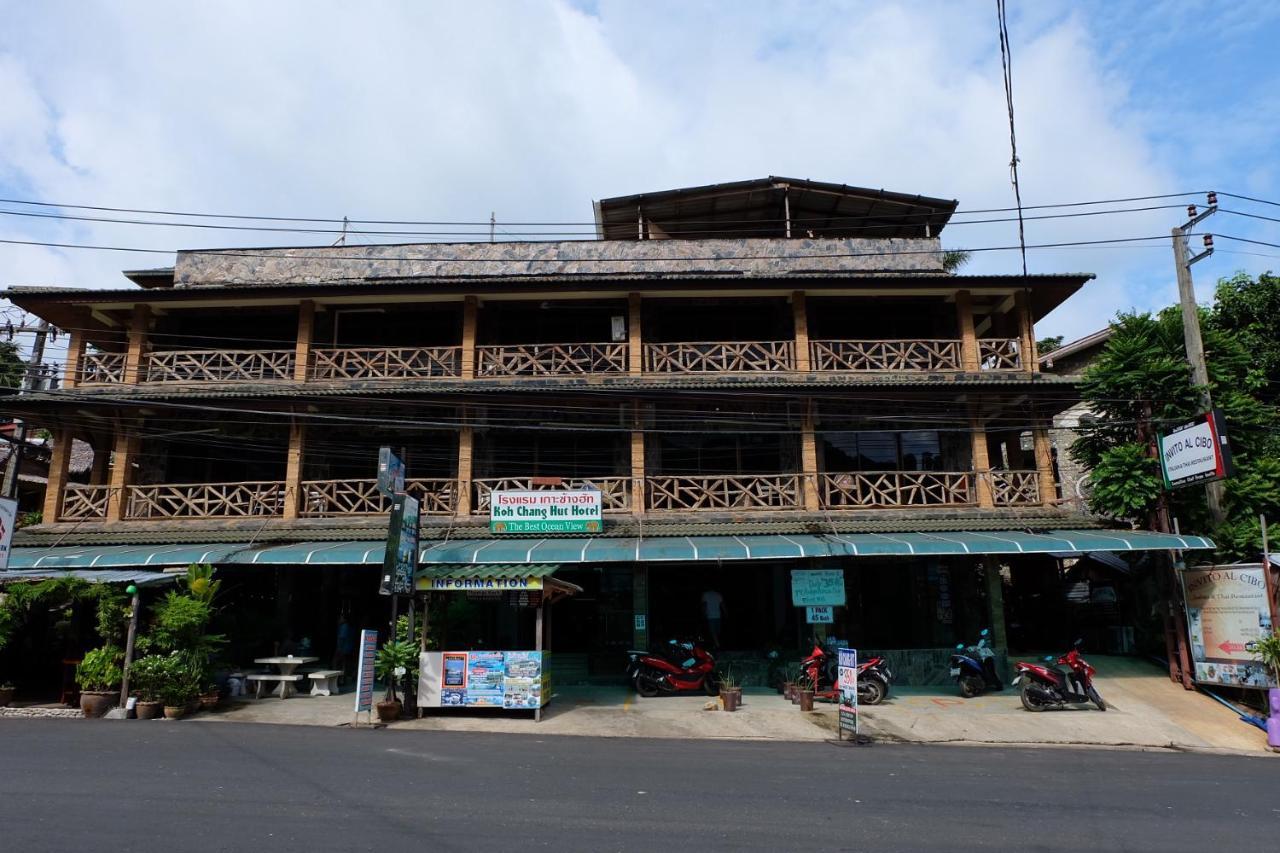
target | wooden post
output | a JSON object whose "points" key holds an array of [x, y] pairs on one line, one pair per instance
{"points": [[306, 331], [75, 355], [537, 642], [640, 607], [809, 461], [57, 483], [128, 646], [466, 438], [635, 336], [969, 358], [1044, 466], [293, 497], [470, 305], [1028, 333], [122, 456], [981, 459], [995, 600], [800, 313], [637, 459], [134, 367]]}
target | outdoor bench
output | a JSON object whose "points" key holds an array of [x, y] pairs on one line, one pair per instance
{"points": [[285, 690], [324, 682]]}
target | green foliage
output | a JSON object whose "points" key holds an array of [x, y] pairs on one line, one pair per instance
{"points": [[113, 615], [1250, 309], [1048, 345], [100, 669], [1267, 650], [27, 519], [954, 259], [174, 679], [394, 655], [200, 583], [12, 367], [180, 631], [1126, 482], [179, 622], [147, 676], [20, 600]]}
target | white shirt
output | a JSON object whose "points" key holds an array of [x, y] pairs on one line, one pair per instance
{"points": [[712, 604]]}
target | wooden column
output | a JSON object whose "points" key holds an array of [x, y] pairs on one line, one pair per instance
{"points": [[306, 331], [122, 458], [466, 438], [969, 357], [293, 470], [58, 466], [470, 306], [637, 459], [800, 312], [809, 462], [640, 607], [1044, 466], [134, 367], [635, 336], [995, 600], [1027, 332], [75, 355], [981, 459]]}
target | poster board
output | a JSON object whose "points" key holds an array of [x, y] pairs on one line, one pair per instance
{"points": [[511, 680], [817, 586], [847, 684], [1226, 611], [401, 557], [368, 650]]}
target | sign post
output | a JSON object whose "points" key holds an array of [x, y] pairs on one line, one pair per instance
{"points": [[364, 673], [8, 523], [847, 685]]}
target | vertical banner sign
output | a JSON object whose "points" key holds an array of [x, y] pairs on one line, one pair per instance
{"points": [[401, 557], [8, 522], [1197, 452], [364, 670], [390, 472], [1227, 612], [847, 684]]}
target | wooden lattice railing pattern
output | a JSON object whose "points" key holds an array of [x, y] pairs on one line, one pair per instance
{"points": [[1015, 488], [102, 368], [615, 492], [725, 492], [205, 500], [550, 359], [324, 498], [720, 357], [897, 355], [385, 362], [219, 365], [999, 354], [84, 503], [867, 489]]}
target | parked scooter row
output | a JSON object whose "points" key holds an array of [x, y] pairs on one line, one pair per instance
{"points": [[1040, 685], [821, 669]]}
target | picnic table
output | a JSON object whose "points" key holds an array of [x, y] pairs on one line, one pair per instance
{"points": [[287, 677]]}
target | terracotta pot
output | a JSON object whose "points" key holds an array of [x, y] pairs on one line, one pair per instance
{"points": [[795, 694], [148, 710], [6, 696], [95, 703], [806, 700], [175, 712], [737, 697], [788, 690], [729, 699], [209, 701], [388, 711]]}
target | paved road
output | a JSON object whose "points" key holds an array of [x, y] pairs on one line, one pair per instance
{"points": [[108, 785]]}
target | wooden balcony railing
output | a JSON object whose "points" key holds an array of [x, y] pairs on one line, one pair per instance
{"points": [[219, 365], [84, 503], [720, 357], [724, 492], [615, 492], [1015, 488], [205, 500], [325, 498], [550, 359], [895, 355], [999, 354], [102, 368], [878, 489], [385, 363]]}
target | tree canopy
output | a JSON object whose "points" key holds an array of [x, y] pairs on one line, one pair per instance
{"points": [[12, 367], [1250, 309]]}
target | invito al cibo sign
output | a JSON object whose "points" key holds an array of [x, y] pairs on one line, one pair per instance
{"points": [[1196, 452], [551, 511]]}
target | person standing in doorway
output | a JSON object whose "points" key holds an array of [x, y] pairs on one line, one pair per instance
{"points": [[713, 611], [344, 650]]}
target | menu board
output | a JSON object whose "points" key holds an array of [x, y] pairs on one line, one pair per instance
{"points": [[483, 679]]}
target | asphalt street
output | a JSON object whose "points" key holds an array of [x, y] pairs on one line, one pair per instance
{"points": [[178, 786]]}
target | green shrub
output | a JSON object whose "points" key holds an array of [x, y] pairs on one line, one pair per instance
{"points": [[100, 670], [146, 676], [393, 662]]}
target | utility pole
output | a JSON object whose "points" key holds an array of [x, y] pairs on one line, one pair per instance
{"points": [[31, 379], [1183, 259]]}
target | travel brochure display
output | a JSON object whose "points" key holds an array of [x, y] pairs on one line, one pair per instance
{"points": [[1226, 612], [551, 511], [512, 680]]}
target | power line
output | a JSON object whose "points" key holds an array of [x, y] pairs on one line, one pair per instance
{"points": [[1006, 65]]}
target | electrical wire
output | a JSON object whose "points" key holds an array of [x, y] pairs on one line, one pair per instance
{"points": [[1006, 65]]}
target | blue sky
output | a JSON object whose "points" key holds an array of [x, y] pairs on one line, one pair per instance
{"points": [[533, 109]]}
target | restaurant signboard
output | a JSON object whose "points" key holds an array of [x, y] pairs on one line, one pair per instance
{"points": [[1196, 452]]}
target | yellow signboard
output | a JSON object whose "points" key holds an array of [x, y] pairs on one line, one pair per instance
{"points": [[477, 584]]}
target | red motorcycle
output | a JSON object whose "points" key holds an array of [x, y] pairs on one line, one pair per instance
{"points": [[1043, 687], [683, 667], [820, 669]]}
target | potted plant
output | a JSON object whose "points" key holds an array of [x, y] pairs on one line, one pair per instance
{"points": [[392, 662], [145, 678], [6, 693], [730, 692], [790, 674], [804, 690], [209, 697], [177, 687], [99, 676]]}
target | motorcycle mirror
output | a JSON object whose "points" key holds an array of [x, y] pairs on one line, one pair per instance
{"points": [[984, 632], [959, 647]]}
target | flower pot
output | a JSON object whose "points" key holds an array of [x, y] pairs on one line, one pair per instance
{"points": [[806, 700], [737, 697], [788, 690], [729, 699], [175, 712], [209, 701], [388, 711], [6, 696], [95, 703], [795, 694], [148, 710]]}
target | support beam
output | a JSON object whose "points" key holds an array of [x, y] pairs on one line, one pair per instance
{"points": [[800, 311], [981, 459], [306, 331], [123, 455], [75, 355], [470, 306], [635, 336], [139, 326], [637, 459], [969, 358], [1044, 466], [466, 439], [1027, 332], [995, 600], [293, 470], [809, 461], [640, 607], [58, 467]]}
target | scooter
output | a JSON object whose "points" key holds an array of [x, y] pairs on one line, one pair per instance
{"points": [[821, 668], [1043, 687], [974, 667], [683, 667]]}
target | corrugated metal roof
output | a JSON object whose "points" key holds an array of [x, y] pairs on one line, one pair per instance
{"points": [[93, 576]]}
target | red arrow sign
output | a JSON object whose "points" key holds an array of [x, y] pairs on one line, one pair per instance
{"points": [[1232, 647]]}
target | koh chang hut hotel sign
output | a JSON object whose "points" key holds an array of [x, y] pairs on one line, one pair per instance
{"points": [[551, 511]]}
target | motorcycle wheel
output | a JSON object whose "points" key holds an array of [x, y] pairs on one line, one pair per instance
{"points": [[970, 686], [711, 685], [646, 686], [1028, 699], [1097, 700], [870, 692]]}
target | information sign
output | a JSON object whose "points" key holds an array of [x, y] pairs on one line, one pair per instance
{"points": [[817, 586], [364, 670], [401, 557], [1197, 452], [1226, 612], [819, 614], [549, 511], [8, 522], [847, 684]]}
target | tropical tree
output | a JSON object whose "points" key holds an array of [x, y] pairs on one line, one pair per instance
{"points": [[1250, 309], [12, 367]]}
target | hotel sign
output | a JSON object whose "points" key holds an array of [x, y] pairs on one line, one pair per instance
{"points": [[550, 511], [1197, 452]]}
